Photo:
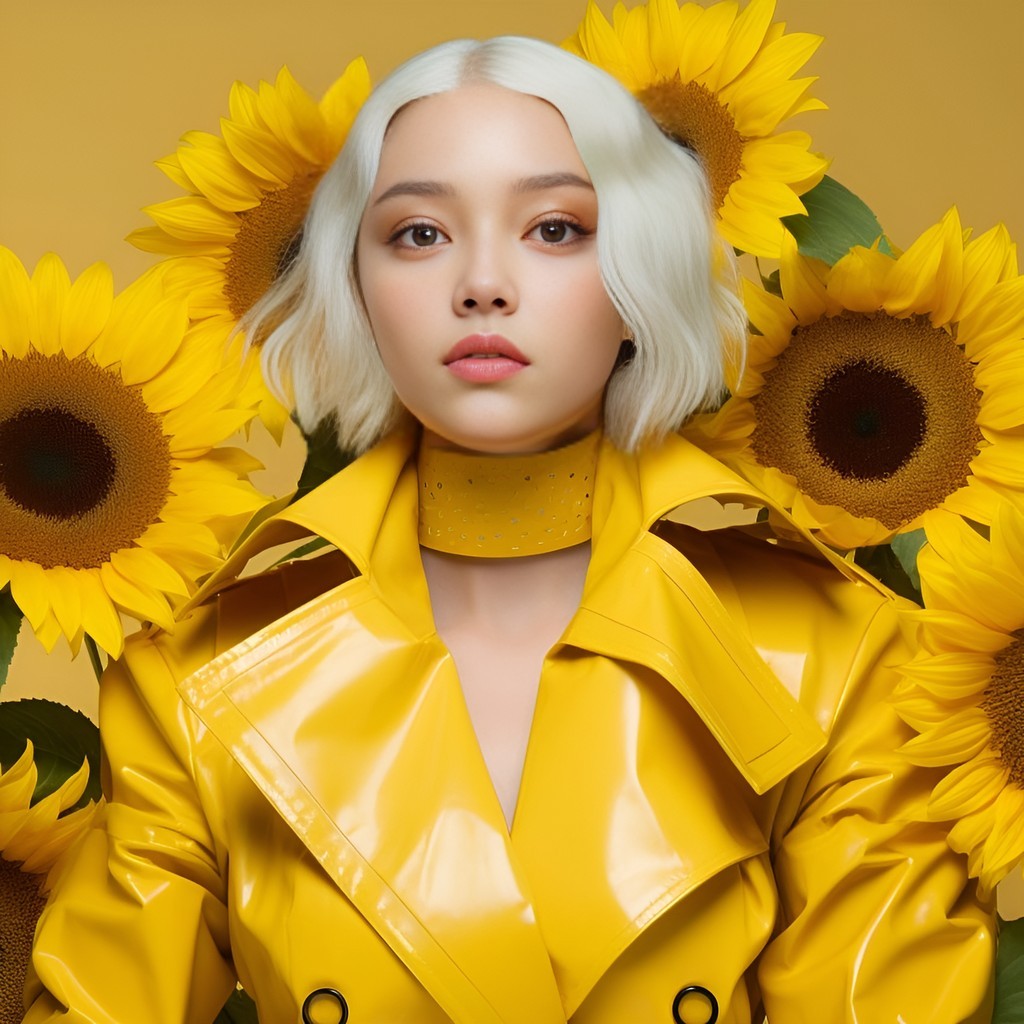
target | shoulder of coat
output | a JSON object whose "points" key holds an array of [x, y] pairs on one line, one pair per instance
{"points": [[237, 609], [246, 605]]}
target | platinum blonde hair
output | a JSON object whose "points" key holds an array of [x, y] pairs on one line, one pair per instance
{"points": [[671, 279]]}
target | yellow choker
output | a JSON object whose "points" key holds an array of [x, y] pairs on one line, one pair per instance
{"points": [[501, 506]]}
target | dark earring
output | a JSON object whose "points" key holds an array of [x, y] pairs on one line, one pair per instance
{"points": [[627, 350]]}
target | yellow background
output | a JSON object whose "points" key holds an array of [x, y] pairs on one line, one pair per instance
{"points": [[924, 98]]}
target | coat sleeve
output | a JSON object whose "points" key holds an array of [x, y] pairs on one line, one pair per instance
{"points": [[136, 927], [879, 920]]}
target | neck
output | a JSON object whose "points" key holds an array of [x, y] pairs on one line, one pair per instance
{"points": [[505, 506]]}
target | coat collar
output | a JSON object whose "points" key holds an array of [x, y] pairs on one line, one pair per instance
{"points": [[368, 511], [285, 705]]}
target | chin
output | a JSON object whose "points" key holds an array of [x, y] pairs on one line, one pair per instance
{"points": [[498, 439]]}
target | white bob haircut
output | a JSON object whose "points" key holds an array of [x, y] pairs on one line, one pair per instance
{"points": [[665, 270]]}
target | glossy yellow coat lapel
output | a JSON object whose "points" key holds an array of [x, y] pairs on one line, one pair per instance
{"points": [[348, 715]]}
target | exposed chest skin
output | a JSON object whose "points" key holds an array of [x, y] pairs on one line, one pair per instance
{"points": [[499, 617]]}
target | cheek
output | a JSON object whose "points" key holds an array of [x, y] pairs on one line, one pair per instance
{"points": [[592, 318]]}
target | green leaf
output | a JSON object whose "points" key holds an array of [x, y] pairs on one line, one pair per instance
{"points": [[1009, 1008], [303, 549], [10, 623], [772, 283], [323, 457], [905, 547], [239, 1009], [835, 222], [882, 563], [63, 739]]}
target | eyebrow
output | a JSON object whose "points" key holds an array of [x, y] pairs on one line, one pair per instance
{"points": [[536, 183]]}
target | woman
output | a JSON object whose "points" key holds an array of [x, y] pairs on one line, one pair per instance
{"points": [[548, 755]]}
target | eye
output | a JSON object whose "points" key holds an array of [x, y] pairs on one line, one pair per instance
{"points": [[558, 231], [419, 236]]}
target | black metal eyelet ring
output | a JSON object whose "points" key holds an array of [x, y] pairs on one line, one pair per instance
{"points": [[691, 990], [324, 993]]}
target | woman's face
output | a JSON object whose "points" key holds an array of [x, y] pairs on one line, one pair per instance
{"points": [[477, 260]]}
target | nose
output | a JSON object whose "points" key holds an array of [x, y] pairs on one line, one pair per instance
{"points": [[486, 281]]}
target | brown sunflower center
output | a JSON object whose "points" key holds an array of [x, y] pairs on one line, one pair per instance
{"points": [[267, 242], [84, 465], [690, 114], [1004, 705], [866, 420], [20, 906], [874, 414], [53, 463]]}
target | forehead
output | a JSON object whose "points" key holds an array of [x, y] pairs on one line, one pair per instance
{"points": [[476, 128]]}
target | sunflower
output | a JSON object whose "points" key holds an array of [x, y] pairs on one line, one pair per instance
{"points": [[112, 495], [240, 224], [720, 84], [964, 693], [32, 838], [884, 387]]}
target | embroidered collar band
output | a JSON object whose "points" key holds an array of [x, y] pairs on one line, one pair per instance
{"points": [[503, 506]]}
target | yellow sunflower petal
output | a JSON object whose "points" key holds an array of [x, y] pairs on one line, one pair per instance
{"points": [[39, 854], [65, 598], [665, 36], [951, 676], [763, 111], [99, 616], [213, 171], [292, 115], [803, 284], [968, 787], [777, 59], [259, 153], [243, 104], [632, 28], [783, 157], [745, 38], [859, 280], [141, 564], [30, 592], [998, 317], [171, 167], [1005, 845], [193, 219], [602, 46], [928, 277], [50, 287], [196, 436], [747, 225], [86, 309], [154, 341], [159, 241], [199, 359], [705, 39], [18, 783], [1002, 464], [986, 262], [340, 105], [770, 314], [16, 308], [958, 739], [1001, 379], [921, 712], [775, 196], [48, 632], [230, 501], [139, 601]]}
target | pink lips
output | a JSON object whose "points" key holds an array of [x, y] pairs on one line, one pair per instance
{"points": [[485, 357]]}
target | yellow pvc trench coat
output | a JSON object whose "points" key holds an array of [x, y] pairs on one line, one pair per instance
{"points": [[712, 817]]}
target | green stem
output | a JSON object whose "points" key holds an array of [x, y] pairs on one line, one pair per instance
{"points": [[94, 656]]}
